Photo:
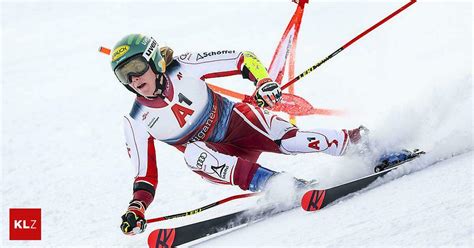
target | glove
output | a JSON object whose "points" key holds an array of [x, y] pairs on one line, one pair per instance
{"points": [[268, 93], [133, 221]]}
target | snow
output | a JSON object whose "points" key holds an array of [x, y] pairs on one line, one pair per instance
{"points": [[409, 81], [393, 214]]}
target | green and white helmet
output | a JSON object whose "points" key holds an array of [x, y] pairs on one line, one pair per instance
{"points": [[133, 55], [134, 44]]}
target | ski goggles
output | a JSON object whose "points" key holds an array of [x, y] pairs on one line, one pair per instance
{"points": [[135, 66]]}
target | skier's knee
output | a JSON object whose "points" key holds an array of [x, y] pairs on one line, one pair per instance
{"points": [[219, 168], [209, 164]]}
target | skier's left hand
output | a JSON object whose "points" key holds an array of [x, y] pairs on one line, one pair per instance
{"points": [[133, 221], [268, 93]]}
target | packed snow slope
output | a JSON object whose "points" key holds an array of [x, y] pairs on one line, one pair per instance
{"points": [[409, 81]]}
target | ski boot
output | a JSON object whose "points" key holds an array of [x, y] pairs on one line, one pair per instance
{"points": [[302, 184], [393, 159], [263, 175], [280, 189]]}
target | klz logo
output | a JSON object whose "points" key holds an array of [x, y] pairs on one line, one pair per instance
{"points": [[25, 224]]}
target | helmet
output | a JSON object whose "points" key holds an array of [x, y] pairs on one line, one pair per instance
{"points": [[136, 46]]}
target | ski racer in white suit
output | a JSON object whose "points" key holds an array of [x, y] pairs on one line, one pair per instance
{"points": [[221, 140]]}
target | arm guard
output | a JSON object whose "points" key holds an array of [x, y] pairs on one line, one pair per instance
{"points": [[252, 68]]}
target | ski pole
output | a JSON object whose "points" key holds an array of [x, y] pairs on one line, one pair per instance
{"points": [[312, 68], [198, 210], [290, 103]]}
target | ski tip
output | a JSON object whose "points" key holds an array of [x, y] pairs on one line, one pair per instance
{"points": [[313, 200], [161, 238]]}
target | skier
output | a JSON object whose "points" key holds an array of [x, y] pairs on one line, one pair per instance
{"points": [[221, 140]]}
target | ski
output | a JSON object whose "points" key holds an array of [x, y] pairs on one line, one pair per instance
{"points": [[164, 238], [316, 199], [172, 237], [394, 159]]}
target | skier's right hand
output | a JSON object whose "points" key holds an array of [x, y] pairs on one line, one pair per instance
{"points": [[268, 93], [133, 221]]}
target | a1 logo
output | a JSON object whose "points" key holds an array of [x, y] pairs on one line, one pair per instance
{"points": [[25, 223], [181, 112]]}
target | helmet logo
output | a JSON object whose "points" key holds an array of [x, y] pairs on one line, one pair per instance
{"points": [[150, 50], [119, 52]]}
